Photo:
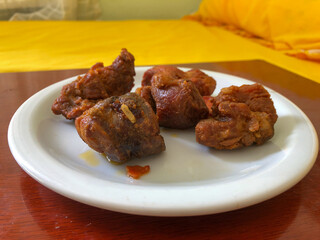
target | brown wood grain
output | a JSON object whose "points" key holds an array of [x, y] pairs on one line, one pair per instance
{"points": [[28, 210]]}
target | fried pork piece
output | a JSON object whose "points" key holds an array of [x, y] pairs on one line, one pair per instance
{"points": [[169, 71], [122, 127], [98, 83], [177, 102], [145, 93], [204, 83], [242, 116], [211, 105], [255, 96]]}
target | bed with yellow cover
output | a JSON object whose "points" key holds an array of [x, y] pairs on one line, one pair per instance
{"points": [[284, 33]]}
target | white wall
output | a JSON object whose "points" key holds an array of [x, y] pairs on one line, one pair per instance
{"points": [[147, 9]]}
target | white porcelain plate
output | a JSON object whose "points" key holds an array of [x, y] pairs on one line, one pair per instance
{"points": [[187, 179]]}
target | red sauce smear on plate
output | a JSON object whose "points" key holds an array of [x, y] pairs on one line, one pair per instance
{"points": [[137, 171]]}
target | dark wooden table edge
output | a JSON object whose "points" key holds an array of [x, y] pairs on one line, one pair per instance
{"points": [[176, 64]]}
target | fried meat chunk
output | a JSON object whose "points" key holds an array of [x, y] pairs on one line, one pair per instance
{"points": [[121, 127], [255, 96], [169, 71], [98, 83], [211, 105], [177, 102], [145, 92], [204, 83], [241, 116]]}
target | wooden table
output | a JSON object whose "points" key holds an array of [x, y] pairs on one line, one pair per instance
{"points": [[29, 210]]}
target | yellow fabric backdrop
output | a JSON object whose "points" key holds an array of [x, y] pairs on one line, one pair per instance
{"points": [[33, 46], [290, 26]]}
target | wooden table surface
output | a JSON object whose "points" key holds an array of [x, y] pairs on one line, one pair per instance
{"points": [[29, 210]]}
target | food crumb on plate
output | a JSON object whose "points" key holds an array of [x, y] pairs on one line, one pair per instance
{"points": [[137, 171]]}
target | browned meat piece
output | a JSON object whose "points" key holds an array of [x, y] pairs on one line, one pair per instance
{"points": [[98, 83], [169, 71], [211, 105], [178, 102], [242, 116], [122, 127], [145, 92], [202, 81], [255, 96], [205, 84]]}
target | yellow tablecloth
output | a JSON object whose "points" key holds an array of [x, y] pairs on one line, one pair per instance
{"points": [[33, 46]]}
